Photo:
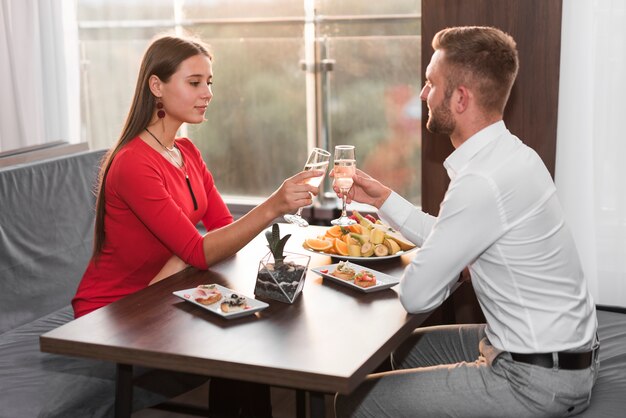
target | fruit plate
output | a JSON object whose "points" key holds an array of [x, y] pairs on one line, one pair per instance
{"points": [[252, 305], [383, 281], [361, 259]]}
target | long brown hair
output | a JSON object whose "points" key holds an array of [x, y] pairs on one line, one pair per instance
{"points": [[162, 58]]}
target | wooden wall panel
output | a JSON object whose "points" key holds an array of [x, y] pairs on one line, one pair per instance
{"points": [[531, 113]]}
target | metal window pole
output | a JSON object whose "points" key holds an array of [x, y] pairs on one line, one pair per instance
{"points": [[309, 66], [317, 64]]}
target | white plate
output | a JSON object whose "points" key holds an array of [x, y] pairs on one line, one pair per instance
{"points": [[252, 305], [364, 259], [383, 281]]}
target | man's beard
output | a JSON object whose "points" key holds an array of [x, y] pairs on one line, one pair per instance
{"points": [[440, 119]]}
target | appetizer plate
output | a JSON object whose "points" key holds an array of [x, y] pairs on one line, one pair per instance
{"points": [[252, 305], [383, 281], [363, 259]]}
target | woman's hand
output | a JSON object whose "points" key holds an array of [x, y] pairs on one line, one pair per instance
{"points": [[294, 193], [365, 189]]}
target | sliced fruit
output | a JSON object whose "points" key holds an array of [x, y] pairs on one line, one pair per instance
{"points": [[318, 244], [356, 228], [354, 250], [367, 249], [404, 243], [341, 247], [381, 250], [362, 220], [393, 246], [334, 231], [391, 233], [360, 237], [377, 236]]}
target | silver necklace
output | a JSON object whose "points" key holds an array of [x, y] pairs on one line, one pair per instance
{"points": [[181, 165], [170, 152]]}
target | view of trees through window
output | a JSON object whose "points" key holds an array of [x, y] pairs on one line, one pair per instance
{"points": [[258, 127]]}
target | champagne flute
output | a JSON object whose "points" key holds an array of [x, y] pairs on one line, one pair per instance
{"points": [[318, 160], [345, 168]]}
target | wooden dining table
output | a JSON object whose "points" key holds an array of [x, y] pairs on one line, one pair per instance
{"points": [[327, 341]]}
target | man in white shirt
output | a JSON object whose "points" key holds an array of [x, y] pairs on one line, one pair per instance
{"points": [[537, 354]]}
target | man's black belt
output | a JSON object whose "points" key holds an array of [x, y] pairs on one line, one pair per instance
{"points": [[566, 360]]}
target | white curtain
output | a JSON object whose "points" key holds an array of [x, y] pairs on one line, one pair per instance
{"points": [[591, 140], [39, 73]]}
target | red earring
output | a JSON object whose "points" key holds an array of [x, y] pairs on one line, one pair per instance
{"points": [[160, 111]]}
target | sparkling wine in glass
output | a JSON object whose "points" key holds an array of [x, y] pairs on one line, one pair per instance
{"points": [[318, 160], [345, 168]]}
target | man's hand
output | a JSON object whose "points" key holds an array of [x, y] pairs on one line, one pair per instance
{"points": [[365, 189]]}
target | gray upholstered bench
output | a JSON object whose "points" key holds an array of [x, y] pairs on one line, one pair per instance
{"points": [[46, 230], [608, 399]]}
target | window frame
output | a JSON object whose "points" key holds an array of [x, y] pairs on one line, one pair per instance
{"points": [[316, 64]]}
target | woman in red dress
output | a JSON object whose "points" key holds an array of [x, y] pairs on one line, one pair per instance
{"points": [[154, 188]]}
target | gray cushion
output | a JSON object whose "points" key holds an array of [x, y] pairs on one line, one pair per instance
{"points": [[36, 384], [608, 399], [46, 232]]}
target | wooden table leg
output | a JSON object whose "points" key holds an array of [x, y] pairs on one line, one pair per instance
{"points": [[124, 391], [317, 406], [300, 403]]}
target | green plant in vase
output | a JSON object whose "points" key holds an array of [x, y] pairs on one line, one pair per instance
{"points": [[281, 274], [276, 244]]}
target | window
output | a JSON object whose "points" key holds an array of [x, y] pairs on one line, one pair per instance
{"points": [[288, 75]]}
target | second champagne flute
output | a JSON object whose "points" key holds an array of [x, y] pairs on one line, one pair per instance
{"points": [[345, 168], [318, 160]]}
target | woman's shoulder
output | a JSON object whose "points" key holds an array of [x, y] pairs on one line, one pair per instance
{"points": [[131, 150], [186, 145], [133, 155]]}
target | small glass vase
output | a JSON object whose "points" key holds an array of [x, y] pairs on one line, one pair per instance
{"points": [[281, 281]]}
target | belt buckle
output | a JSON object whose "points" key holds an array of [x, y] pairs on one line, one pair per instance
{"points": [[595, 350], [555, 361]]}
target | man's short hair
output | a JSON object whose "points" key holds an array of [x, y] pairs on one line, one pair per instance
{"points": [[481, 58]]}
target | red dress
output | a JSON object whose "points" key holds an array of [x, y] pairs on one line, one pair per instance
{"points": [[149, 216]]}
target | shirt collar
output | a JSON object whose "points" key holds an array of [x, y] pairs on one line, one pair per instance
{"points": [[463, 154]]}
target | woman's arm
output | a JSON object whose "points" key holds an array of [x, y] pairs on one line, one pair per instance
{"points": [[141, 185], [172, 266], [294, 193]]}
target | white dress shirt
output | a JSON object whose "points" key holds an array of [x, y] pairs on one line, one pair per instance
{"points": [[501, 217]]}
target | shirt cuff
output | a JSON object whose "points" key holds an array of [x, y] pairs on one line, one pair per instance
{"points": [[395, 210]]}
